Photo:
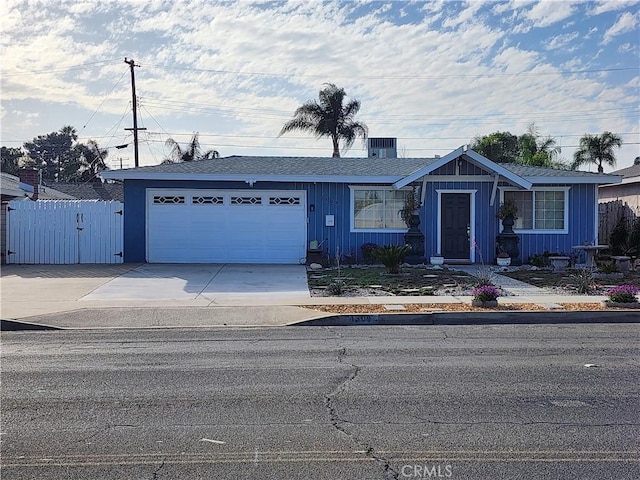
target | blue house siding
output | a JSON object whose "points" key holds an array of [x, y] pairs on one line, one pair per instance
{"points": [[327, 199], [581, 225], [334, 199]]}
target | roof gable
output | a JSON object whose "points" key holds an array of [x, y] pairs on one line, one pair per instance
{"points": [[470, 155]]}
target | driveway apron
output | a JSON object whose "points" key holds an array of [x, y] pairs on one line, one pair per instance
{"points": [[208, 281]]}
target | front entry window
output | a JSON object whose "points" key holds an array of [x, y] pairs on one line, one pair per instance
{"points": [[376, 209], [540, 209]]}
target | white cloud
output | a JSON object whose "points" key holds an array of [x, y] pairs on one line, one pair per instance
{"points": [[559, 41], [626, 22], [546, 12], [605, 6], [201, 63], [629, 48]]}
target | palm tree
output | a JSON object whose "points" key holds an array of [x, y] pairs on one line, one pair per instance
{"points": [[190, 153], [329, 118], [597, 149], [536, 151]]}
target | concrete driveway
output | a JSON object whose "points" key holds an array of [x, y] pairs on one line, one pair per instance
{"points": [[205, 281], [30, 290]]}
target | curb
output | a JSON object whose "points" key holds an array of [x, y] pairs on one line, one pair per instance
{"points": [[477, 318], [15, 326]]}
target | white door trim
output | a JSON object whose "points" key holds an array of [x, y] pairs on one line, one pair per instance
{"points": [[472, 220]]}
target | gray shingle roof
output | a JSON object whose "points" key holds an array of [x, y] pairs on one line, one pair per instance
{"points": [[294, 166], [528, 171], [326, 169], [10, 186], [92, 190], [632, 171]]}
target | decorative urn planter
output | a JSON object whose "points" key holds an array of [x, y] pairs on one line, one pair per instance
{"points": [[436, 260]]}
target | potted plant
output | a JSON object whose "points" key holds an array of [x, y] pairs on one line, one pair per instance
{"points": [[410, 208], [623, 296], [508, 213], [485, 296], [436, 259], [503, 259], [508, 209]]}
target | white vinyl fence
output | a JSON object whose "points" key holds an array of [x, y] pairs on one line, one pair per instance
{"points": [[64, 232]]}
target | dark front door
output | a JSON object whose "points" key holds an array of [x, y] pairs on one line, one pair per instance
{"points": [[456, 218]]}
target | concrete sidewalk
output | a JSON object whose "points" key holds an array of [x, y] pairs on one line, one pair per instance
{"points": [[65, 297]]}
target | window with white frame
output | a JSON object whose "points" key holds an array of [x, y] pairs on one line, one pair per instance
{"points": [[540, 209], [377, 208]]}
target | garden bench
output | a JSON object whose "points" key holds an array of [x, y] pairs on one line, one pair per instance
{"points": [[559, 263], [623, 263]]}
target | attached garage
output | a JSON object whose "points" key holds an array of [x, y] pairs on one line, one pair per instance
{"points": [[226, 226]]}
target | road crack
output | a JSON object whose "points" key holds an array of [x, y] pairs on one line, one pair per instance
{"points": [[154, 475], [339, 423]]}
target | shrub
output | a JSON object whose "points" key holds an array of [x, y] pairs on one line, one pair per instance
{"points": [[392, 256], [485, 293], [623, 294], [608, 267], [619, 236], [634, 238], [538, 260], [367, 251], [585, 282], [336, 287]]}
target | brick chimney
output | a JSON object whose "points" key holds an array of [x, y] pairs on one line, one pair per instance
{"points": [[31, 176]]}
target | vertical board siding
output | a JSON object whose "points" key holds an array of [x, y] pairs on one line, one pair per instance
{"points": [[334, 199], [64, 232], [581, 220]]}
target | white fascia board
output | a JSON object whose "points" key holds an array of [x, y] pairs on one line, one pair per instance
{"points": [[426, 170], [610, 180], [249, 177], [500, 170]]}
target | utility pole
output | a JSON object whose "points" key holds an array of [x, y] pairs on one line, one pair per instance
{"points": [[135, 128]]}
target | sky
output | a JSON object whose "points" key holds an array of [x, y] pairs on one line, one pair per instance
{"points": [[433, 74]]}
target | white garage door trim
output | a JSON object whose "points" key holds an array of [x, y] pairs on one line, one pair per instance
{"points": [[226, 226]]}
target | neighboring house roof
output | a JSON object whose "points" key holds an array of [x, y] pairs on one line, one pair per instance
{"points": [[11, 186], [398, 171], [629, 175], [93, 190], [632, 171]]}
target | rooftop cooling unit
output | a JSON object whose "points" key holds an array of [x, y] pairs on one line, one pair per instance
{"points": [[382, 148]]}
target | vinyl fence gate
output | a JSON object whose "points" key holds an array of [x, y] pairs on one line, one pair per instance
{"points": [[64, 231]]}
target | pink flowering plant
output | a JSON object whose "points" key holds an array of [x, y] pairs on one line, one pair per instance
{"points": [[623, 294], [485, 293]]}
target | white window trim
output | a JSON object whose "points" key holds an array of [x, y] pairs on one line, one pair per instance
{"points": [[352, 218], [563, 231]]}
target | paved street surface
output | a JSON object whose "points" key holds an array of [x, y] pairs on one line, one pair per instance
{"points": [[490, 402]]}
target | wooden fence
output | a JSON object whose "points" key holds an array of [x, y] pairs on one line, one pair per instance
{"points": [[608, 215], [64, 232]]}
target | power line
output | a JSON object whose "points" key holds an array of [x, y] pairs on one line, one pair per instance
{"points": [[103, 100], [61, 69], [394, 77]]}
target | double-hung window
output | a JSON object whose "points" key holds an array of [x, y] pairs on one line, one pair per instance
{"points": [[540, 210], [376, 209]]}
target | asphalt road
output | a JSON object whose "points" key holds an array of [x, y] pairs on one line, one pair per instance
{"points": [[490, 402]]}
